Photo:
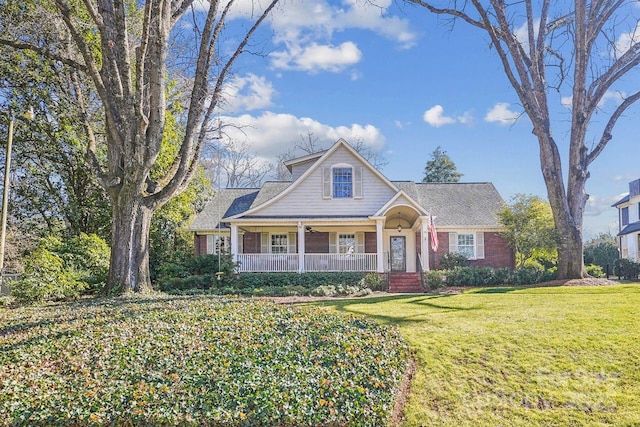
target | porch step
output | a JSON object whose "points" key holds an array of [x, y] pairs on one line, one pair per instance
{"points": [[405, 283]]}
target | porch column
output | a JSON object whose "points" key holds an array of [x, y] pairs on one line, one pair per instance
{"points": [[424, 242], [380, 245], [234, 242], [301, 249]]}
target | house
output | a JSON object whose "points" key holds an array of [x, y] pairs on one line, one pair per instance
{"points": [[629, 222], [339, 213]]}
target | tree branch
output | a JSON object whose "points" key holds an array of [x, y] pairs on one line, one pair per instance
{"points": [[607, 133]]}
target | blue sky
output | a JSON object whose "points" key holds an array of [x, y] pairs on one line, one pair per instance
{"points": [[403, 83]]}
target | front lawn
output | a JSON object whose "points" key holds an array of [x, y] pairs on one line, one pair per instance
{"points": [[195, 361], [548, 356]]}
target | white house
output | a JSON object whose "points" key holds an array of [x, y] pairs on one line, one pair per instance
{"points": [[339, 213], [629, 222]]}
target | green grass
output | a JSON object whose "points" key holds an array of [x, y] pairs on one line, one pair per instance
{"points": [[195, 361], [548, 356]]}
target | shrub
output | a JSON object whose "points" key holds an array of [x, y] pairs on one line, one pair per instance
{"points": [[594, 270], [57, 269], [450, 261], [434, 279], [89, 255], [626, 268], [196, 272], [46, 279], [374, 281]]}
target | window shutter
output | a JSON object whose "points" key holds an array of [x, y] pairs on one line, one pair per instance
{"points": [[453, 243], [479, 245], [264, 243], [292, 243], [240, 244], [333, 243], [360, 242], [326, 183], [210, 244], [357, 183]]}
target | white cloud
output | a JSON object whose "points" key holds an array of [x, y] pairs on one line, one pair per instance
{"points": [[625, 41], [615, 95], [315, 57], [522, 33], [436, 118], [271, 134], [501, 114], [246, 93], [324, 18], [306, 28]]}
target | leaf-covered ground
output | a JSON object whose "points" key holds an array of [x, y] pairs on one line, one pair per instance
{"points": [[195, 360]]}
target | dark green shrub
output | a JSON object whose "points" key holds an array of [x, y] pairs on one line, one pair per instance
{"points": [[434, 279], [528, 276], [450, 261], [627, 269], [198, 272]]}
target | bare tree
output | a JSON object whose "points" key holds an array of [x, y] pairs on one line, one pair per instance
{"points": [[232, 165], [573, 49], [128, 62]]}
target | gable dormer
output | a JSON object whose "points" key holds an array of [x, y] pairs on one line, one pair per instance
{"points": [[300, 165]]}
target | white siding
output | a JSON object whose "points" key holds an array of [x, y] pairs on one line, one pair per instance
{"points": [[298, 169], [307, 197]]}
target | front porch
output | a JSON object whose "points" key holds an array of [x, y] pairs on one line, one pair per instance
{"points": [[392, 241]]}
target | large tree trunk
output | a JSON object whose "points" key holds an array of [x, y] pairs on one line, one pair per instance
{"points": [[567, 208], [129, 267]]}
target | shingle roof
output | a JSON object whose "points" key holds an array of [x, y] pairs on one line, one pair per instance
{"points": [[453, 204], [226, 202], [631, 228], [460, 204], [269, 190]]}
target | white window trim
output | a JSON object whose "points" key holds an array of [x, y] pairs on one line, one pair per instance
{"points": [[356, 181], [478, 243]]}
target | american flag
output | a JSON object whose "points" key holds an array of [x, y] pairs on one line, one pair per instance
{"points": [[434, 234]]}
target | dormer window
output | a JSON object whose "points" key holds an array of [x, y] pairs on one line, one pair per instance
{"points": [[342, 183]]}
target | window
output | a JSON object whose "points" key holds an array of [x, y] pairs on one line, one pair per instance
{"points": [[279, 244], [625, 215], [218, 244], [466, 245], [346, 243], [342, 183], [221, 244]]}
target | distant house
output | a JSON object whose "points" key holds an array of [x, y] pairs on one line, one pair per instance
{"points": [[629, 222], [339, 213]]}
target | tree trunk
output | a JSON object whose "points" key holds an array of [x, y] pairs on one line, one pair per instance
{"points": [[129, 267], [570, 258]]}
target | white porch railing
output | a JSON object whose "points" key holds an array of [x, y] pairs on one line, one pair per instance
{"points": [[312, 262], [340, 262], [267, 262]]}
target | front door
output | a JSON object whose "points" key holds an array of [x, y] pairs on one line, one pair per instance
{"points": [[398, 253]]}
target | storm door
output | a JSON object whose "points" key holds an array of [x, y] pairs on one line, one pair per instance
{"points": [[398, 253]]}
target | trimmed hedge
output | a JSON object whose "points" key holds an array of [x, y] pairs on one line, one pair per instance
{"points": [[486, 276]]}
